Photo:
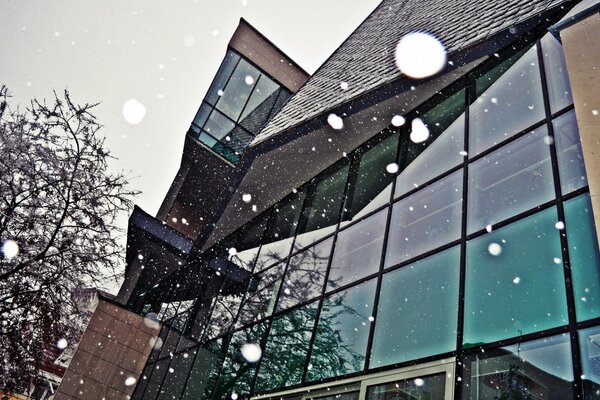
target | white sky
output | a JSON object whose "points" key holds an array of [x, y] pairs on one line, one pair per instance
{"points": [[161, 53]]}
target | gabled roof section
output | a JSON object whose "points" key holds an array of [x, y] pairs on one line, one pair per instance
{"points": [[366, 59]]}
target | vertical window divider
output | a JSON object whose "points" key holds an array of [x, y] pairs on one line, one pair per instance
{"points": [[574, 337], [239, 119]]}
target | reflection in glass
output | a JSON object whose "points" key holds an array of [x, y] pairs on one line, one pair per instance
{"points": [[417, 313], [277, 242], [238, 90], [197, 322], [589, 343], [520, 268], [246, 242], [340, 343], [357, 251], [181, 364], [570, 156], [224, 312], [257, 110], [305, 275], [201, 117], [583, 256], [222, 76], [208, 361], [286, 350], [323, 211], [425, 220], [237, 373], [509, 181], [158, 374], [421, 162], [260, 303], [540, 369], [372, 186], [509, 99], [218, 126], [417, 388], [559, 90]]}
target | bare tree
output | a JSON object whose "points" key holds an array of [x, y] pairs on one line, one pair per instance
{"points": [[58, 204]]}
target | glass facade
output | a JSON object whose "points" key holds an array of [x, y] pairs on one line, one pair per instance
{"points": [[239, 102], [479, 252]]}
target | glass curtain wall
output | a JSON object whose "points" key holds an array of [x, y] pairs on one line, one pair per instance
{"points": [[478, 243]]}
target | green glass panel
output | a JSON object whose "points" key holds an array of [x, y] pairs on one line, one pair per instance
{"points": [[417, 312], [584, 257], [425, 220], [589, 344], [541, 369], [421, 162], [322, 212], [237, 373], [340, 343], [305, 275], [559, 90], [429, 387], [515, 282], [286, 350], [373, 182], [357, 251], [511, 180], [509, 100], [202, 377], [570, 155]]}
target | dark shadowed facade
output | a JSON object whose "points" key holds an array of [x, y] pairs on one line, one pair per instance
{"points": [[364, 265]]}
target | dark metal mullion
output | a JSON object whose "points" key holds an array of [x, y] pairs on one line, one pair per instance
{"points": [[308, 200], [574, 337], [469, 84]]}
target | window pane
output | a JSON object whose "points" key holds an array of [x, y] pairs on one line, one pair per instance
{"points": [[570, 156], [559, 90], [259, 105], [260, 303], [323, 213], [422, 162], [224, 312], [174, 381], [519, 267], [509, 181], [218, 126], [540, 369], [340, 344], [246, 243], [222, 76], [509, 99], [207, 363], [286, 350], [237, 373], [277, 242], [417, 311], [373, 181], [584, 257], [426, 220], [201, 117], [589, 343], [417, 388], [357, 251], [238, 90], [305, 275]]}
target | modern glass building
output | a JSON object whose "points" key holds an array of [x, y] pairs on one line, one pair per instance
{"points": [[463, 264]]}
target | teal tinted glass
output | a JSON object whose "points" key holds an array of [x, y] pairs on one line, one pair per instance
{"points": [[287, 349], [174, 382], [570, 155], [589, 344], [340, 343], [541, 369], [237, 373], [513, 179], [259, 302], [372, 187], [418, 310], [357, 251], [559, 90], [520, 268], [428, 387], [208, 361], [425, 220], [421, 162], [584, 257], [509, 100]]}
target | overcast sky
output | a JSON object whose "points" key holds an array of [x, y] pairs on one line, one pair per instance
{"points": [[163, 54]]}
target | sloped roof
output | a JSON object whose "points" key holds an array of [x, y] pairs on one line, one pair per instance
{"points": [[366, 59]]}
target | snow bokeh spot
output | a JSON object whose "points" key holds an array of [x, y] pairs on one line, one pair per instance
{"points": [[495, 249], [10, 249], [62, 343], [392, 168], [251, 352], [335, 122], [249, 80], [419, 132], [130, 381], [232, 251], [419, 382], [344, 85], [420, 55], [134, 111], [559, 225], [246, 198], [398, 120]]}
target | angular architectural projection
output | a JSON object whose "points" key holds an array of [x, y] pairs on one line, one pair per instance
{"points": [[359, 263]]}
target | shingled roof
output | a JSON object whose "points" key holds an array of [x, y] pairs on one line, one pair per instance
{"points": [[366, 59]]}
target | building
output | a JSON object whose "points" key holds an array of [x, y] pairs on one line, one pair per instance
{"points": [[301, 261]]}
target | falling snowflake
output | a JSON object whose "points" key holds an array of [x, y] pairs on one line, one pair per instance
{"points": [[420, 55], [419, 132], [246, 198], [62, 344], [10, 249], [495, 249], [335, 122], [251, 352], [392, 168], [134, 111], [398, 120]]}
